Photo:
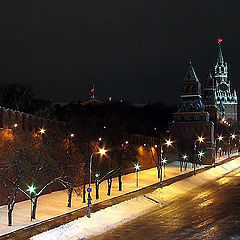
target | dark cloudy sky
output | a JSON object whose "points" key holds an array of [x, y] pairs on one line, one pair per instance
{"points": [[131, 49]]}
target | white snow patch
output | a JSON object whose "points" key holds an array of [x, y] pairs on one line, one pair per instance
{"points": [[100, 221], [111, 217]]}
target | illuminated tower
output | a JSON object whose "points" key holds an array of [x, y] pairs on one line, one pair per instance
{"points": [[223, 88], [192, 121]]}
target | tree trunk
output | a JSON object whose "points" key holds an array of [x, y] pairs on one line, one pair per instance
{"points": [[158, 169], [10, 210], [181, 166], [185, 165], [120, 181], [84, 193], [70, 191], [109, 181], [34, 207]]}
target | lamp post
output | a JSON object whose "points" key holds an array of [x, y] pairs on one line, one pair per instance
{"points": [[137, 168], [31, 189], [164, 161], [219, 139], [200, 156], [101, 151], [200, 140], [168, 143], [185, 161]]}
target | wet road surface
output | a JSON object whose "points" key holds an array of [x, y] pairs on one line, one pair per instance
{"points": [[208, 212]]}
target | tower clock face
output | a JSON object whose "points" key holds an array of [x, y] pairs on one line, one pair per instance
{"points": [[223, 87]]}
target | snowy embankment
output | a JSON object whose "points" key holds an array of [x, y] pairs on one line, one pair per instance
{"points": [[111, 217]]}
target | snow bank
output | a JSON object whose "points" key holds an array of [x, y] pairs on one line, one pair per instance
{"points": [[111, 217], [100, 221]]}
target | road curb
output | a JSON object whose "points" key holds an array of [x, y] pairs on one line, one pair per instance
{"points": [[39, 227]]}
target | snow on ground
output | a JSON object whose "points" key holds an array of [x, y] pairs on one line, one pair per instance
{"points": [[55, 203], [111, 217]]}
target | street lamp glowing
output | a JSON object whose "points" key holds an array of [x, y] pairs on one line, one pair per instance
{"points": [[102, 151], [169, 142], [31, 189], [97, 175], [72, 135], [100, 139], [233, 136], [220, 138], [201, 139], [42, 131], [126, 142], [185, 157], [137, 167], [15, 125], [144, 144], [155, 146], [201, 153]]}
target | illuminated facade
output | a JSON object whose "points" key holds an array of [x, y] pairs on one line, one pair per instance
{"points": [[224, 95]]}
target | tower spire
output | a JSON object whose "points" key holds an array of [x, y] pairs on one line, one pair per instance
{"points": [[220, 60], [190, 74]]}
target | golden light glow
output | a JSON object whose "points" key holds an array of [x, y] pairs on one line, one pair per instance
{"points": [[15, 125], [42, 131], [206, 203], [102, 151], [169, 142], [201, 139], [100, 139]]}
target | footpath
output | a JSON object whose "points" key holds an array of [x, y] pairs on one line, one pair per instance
{"points": [[53, 212]]}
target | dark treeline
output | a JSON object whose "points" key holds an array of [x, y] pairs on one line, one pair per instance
{"points": [[146, 120], [134, 119]]}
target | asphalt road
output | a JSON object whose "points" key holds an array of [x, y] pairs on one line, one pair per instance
{"points": [[211, 211]]}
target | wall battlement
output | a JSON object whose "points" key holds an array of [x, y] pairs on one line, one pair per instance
{"points": [[27, 122]]}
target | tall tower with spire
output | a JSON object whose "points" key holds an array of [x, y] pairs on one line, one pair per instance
{"points": [[192, 121], [224, 95], [191, 100]]}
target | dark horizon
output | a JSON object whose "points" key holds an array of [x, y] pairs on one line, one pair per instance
{"points": [[137, 51]]}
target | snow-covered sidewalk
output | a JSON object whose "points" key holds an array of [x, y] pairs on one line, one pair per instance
{"points": [[111, 217], [55, 203]]}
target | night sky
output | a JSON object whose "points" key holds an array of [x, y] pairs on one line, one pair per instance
{"points": [[131, 49]]}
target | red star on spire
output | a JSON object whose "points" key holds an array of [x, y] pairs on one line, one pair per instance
{"points": [[219, 40]]}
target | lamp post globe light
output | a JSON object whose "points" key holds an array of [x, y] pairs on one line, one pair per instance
{"points": [[185, 157], [164, 161], [137, 168], [102, 152]]}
